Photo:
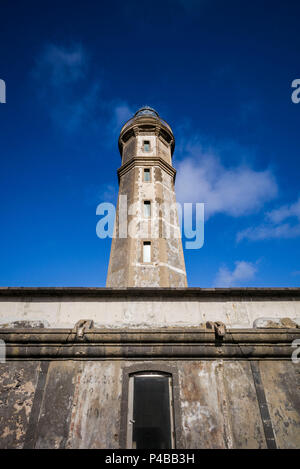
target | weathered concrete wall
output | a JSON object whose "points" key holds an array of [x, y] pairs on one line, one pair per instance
{"points": [[124, 308], [77, 404], [164, 150], [95, 420], [220, 408], [18, 384], [129, 150], [281, 382]]}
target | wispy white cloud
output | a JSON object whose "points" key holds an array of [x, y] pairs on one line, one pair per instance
{"points": [[261, 232], [120, 113], [285, 211], [71, 113], [236, 191], [60, 66], [110, 193], [275, 225], [96, 194], [242, 272], [60, 74], [70, 95]]}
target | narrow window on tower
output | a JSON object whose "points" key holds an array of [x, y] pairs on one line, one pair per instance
{"points": [[150, 416], [147, 251], [146, 145], [147, 174], [147, 209]]}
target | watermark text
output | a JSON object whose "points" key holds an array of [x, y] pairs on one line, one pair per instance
{"points": [[162, 220], [296, 93], [296, 345], [2, 92]]}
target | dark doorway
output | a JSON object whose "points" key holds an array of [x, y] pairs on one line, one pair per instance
{"points": [[151, 411]]}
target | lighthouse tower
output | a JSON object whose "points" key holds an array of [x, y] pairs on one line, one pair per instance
{"points": [[146, 249]]}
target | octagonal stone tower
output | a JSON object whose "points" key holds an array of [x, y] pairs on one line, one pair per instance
{"points": [[146, 249]]}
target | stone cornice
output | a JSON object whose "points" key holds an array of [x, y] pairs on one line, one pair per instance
{"points": [[147, 161], [168, 344]]}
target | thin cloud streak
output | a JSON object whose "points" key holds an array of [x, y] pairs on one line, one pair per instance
{"points": [[273, 228], [243, 271], [61, 76], [120, 113], [61, 66], [286, 211], [70, 97]]}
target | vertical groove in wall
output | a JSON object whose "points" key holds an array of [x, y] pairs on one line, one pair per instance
{"points": [[263, 406], [31, 433], [222, 398]]}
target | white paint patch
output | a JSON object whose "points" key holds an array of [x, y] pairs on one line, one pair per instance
{"points": [[179, 271]]}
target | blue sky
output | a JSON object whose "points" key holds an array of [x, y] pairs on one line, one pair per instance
{"points": [[219, 72]]}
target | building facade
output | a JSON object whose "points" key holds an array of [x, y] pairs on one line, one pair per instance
{"points": [[147, 362]]}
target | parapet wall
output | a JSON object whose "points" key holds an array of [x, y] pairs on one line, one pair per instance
{"points": [[148, 308]]}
